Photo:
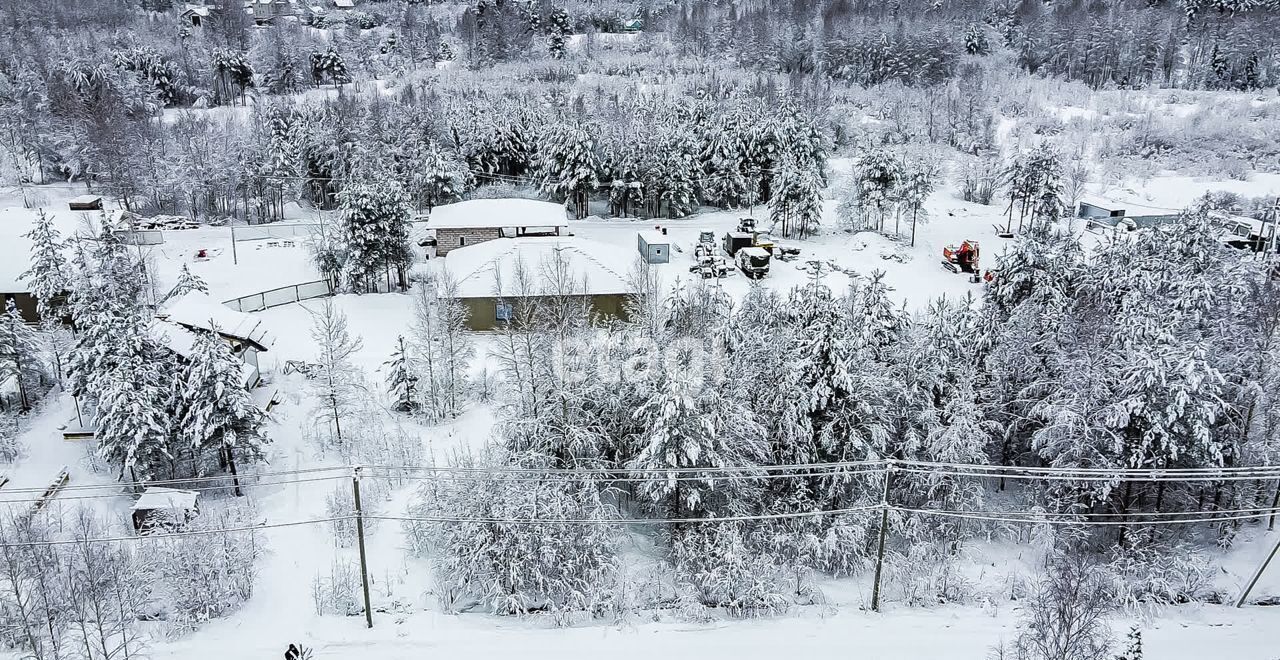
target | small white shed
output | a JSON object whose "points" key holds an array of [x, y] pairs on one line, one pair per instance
{"points": [[654, 246]]}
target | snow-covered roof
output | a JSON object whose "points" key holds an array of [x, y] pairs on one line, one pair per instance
{"points": [[497, 213], [653, 236], [199, 10], [598, 268], [755, 252], [1127, 205], [182, 342], [155, 498], [15, 249], [343, 4], [85, 199], [197, 310]]}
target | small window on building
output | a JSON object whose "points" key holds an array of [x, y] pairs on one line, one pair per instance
{"points": [[502, 312], [462, 240]]}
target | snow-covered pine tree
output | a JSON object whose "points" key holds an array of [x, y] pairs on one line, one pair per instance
{"points": [[672, 175], [49, 276], [873, 191], [691, 423], [725, 162], [402, 384], [20, 356], [569, 165], [796, 203], [375, 221], [219, 416], [337, 385], [440, 178], [328, 66], [915, 190]]}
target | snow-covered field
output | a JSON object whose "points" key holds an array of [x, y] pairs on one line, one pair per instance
{"points": [[408, 622]]}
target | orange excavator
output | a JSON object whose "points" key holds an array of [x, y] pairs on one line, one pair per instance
{"points": [[963, 258]]}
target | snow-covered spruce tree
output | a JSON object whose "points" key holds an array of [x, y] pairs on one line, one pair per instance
{"points": [[105, 305], [796, 204], [49, 275], [402, 384], [938, 415], [439, 178], [558, 28], [338, 383], [219, 417], [375, 221], [693, 423], [569, 165], [20, 352], [187, 282], [1024, 309], [133, 422], [564, 568]]}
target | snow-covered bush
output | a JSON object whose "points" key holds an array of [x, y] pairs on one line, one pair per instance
{"points": [[473, 527], [10, 447], [204, 577], [339, 592], [715, 562], [1065, 617], [1148, 575], [924, 577]]}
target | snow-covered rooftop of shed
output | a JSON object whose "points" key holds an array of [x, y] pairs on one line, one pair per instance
{"points": [[653, 236], [155, 498], [593, 268], [497, 213], [197, 310], [182, 342], [15, 249]]}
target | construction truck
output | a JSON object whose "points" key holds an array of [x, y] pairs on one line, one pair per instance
{"points": [[708, 262], [963, 258], [747, 235], [753, 262]]}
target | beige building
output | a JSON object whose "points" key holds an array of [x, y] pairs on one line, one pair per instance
{"points": [[494, 278], [479, 220]]}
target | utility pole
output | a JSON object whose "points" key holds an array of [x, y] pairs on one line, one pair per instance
{"points": [[364, 564], [884, 532], [1244, 595]]}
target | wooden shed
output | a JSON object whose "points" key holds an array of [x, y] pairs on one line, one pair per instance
{"points": [[165, 509], [85, 203]]}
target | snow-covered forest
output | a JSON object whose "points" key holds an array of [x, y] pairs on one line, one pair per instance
{"points": [[1007, 367]]}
